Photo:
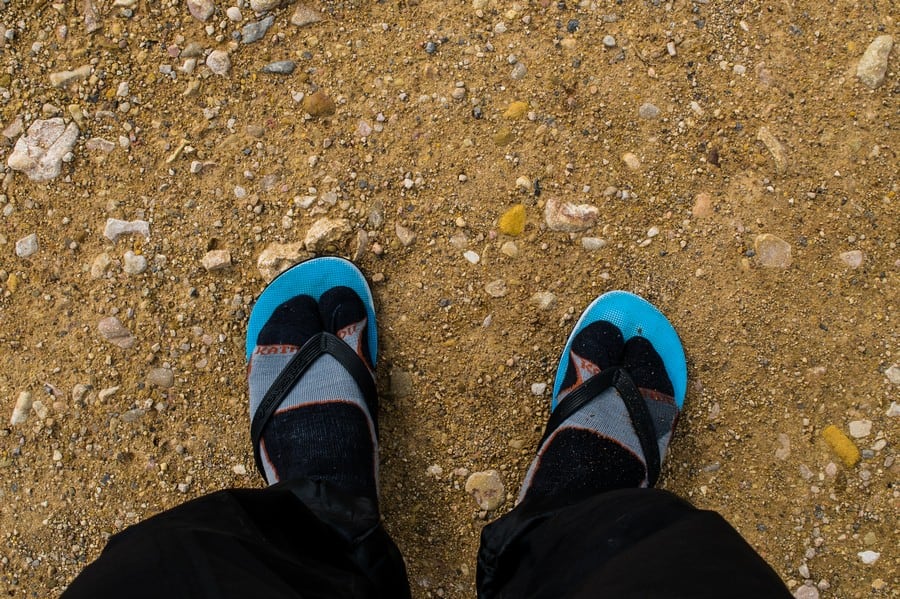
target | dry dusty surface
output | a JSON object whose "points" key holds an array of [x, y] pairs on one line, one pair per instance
{"points": [[694, 129]]}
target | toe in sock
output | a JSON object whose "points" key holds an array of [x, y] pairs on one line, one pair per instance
{"points": [[596, 449], [322, 429]]}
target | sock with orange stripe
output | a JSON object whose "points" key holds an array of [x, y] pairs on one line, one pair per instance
{"points": [[597, 449], [322, 430]]}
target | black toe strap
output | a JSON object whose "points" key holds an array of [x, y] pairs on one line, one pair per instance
{"points": [[317, 346], [634, 403]]}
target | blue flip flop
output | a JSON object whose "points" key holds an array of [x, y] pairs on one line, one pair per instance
{"points": [[634, 317], [313, 277]]}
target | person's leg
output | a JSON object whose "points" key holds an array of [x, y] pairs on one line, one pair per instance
{"points": [[587, 523], [316, 531]]}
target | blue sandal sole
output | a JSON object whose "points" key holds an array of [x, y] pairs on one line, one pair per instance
{"points": [[312, 277], [635, 317]]}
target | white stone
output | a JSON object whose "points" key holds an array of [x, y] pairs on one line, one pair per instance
{"points": [[405, 235], [894, 410], [304, 16], [853, 258], [772, 251], [869, 557], [648, 111], [471, 256], [874, 62], [264, 5], [27, 246], [860, 428], [134, 264], [239, 469], [592, 244], [496, 288], [631, 161], [568, 217], [806, 591], [21, 409], [100, 265], [201, 9], [543, 300], [324, 232], [216, 260], [115, 228], [115, 332], [278, 257], [39, 153], [234, 14], [538, 388], [218, 62], [893, 374]]}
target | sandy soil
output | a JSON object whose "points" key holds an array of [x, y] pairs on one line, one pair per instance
{"points": [[419, 139]]}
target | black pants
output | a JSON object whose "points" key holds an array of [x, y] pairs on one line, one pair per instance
{"points": [[306, 539]]}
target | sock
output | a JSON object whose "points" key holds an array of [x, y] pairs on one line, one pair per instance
{"points": [[596, 449], [322, 430]]}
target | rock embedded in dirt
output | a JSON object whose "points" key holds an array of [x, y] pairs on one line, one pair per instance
{"points": [[893, 374], [112, 329], [609, 41], [115, 228], [21, 409], [40, 152], [486, 488], [234, 14], [278, 257], [318, 104], [702, 205], [325, 232], [201, 10], [592, 244], [512, 222], [100, 265], [496, 288], [261, 6], [873, 65], [806, 591], [405, 235], [543, 300], [776, 149], [27, 246], [519, 71], [64, 78], [280, 67], [631, 161], [869, 557], [219, 62], [853, 259], [163, 378], [772, 251], [134, 264], [860, 428], [648, 111], [253, 32], [215, 260], [304, 15], [568, 217]]}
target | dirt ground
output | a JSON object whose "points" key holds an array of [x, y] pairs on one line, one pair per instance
{"points": [[425, 135]]}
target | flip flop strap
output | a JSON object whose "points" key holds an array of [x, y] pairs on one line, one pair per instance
{"points": [[317, 346], [637, 408]]}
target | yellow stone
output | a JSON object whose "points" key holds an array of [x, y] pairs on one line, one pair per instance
{"points": [[516, 110], [504, 137], [841, 445], [12, 283], [513, 220]]}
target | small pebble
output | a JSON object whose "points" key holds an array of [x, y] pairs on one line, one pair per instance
{"points": [[216, 260], [304, 16], [486, 488], [280, 67], [893, 374], [631, 161], [27, 246], [538, 388], [239, 469], [234, 14], [853, 258], [318, 104], [134, 264], [112, 329], [218, 62], [471, 256], [806, 591], [648, 111], [405, 235], [510, 249], [326, 232], [568, 217], [161, 377], [512, 222], [860, 428], [519, 71], [873, 65], [201, 9], [543, 300], [593, 244], [22, 409], [253, 32], [609, 41], [772, 251], [869, 557], [496, 288]]}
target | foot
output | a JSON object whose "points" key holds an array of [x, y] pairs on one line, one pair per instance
{"points": [[596, 448], [322, 430]]}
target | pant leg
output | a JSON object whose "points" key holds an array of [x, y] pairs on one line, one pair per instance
{"points": [[297, 539], [642, 543]]}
